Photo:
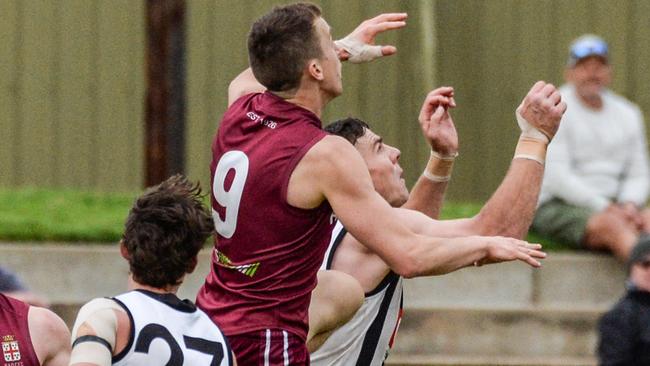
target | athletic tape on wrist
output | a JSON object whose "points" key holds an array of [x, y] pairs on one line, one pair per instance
{"points": [[359, 52], [439, 167], [530, 131], [531, 149], [451, 157]]}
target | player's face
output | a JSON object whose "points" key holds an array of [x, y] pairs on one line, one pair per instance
{"points": [[640, 274], [383, 163], [590, 76], [329, 60]]}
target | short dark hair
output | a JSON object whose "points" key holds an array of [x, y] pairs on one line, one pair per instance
{"points": [[281, 42], [165, 229], [349, 128]]}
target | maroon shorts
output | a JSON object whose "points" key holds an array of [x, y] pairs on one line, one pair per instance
{"points": [[269, 347]]}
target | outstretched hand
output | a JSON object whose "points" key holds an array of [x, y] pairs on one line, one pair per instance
{"points": [[540, 113], [436, 123], [359, 46], [502, 249]]}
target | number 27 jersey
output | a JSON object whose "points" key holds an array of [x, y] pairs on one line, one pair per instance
{"points": [[267, 252]]}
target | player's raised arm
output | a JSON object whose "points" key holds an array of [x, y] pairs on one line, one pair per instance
{"points": [[244, 83], [511, 208], [341, 175], [440, 133]]}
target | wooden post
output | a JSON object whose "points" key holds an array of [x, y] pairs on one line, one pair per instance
{"points": [[165, 109]]}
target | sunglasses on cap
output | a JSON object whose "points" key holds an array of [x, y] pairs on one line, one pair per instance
{"points": [[589, 47]]}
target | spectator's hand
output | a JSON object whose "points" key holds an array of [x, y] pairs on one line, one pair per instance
{"points": [[502, 249], [645, 216], [540, 113], [359, 46], [436, 123], [632, 214]]}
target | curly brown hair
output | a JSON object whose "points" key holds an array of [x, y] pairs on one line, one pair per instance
{"points": [[165, 229], [281, 42], [349, 128]]}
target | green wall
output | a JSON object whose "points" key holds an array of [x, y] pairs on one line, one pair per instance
{"points": [[72, 79]]}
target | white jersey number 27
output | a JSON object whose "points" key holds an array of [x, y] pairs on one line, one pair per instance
{"points": [[230, 200]]}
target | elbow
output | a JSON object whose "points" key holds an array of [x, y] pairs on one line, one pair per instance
{"points": [[409, 266]]}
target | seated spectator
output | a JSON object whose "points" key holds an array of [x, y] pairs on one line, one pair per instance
{"points": [[150, 325], [625, 330], [596, 180], [12, 286]]}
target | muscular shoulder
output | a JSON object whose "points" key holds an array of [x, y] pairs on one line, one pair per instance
{"points": [[330, 149], [50, 335]]}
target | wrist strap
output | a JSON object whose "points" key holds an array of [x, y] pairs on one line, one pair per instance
{"points": [[439, 167], [531, 149]]}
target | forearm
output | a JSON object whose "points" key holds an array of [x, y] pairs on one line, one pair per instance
{"points": [[427, 196], [439, 256], [511, 209]]}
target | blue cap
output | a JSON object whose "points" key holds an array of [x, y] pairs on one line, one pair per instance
{"points": [[585, 46]]}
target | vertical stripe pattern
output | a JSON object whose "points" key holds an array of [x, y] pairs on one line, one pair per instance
{"points": [[267, 350], [285, 352]]}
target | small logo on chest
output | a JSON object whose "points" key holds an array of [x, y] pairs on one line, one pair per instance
{"points": [[10, 350]]}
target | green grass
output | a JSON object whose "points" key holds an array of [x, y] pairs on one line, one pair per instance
{"points": [[31, 214], [460, 210], [62, 215]]}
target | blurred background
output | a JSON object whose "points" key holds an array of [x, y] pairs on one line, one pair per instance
{"points": [[73, 81]]}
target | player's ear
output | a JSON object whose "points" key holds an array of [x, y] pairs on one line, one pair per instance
{"points": [[192, 265], [315, 69], [123, 251]]}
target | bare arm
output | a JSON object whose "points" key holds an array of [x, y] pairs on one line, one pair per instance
{"points": [[49, 336], [244, 83], [334, 168], [440, 133]]}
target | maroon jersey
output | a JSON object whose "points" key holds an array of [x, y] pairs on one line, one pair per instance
{"points": [[267, 252], [17, 348]]}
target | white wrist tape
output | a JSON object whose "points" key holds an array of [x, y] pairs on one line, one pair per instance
{"points": [[439, 167], [359, 52], [529, 130], [451, 157], [531, 149], [436, 178]]}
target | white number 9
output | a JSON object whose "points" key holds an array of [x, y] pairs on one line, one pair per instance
{"points": [[230, 199]]}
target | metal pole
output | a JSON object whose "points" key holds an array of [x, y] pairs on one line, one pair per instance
{"points": [[165, 109]]}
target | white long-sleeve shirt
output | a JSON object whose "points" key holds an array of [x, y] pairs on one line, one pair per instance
{"points": [[598, 157]]}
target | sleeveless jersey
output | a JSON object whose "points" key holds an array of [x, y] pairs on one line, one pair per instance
{"points": [[367, 338], [267, 252], [17, 348], [171, 332]]}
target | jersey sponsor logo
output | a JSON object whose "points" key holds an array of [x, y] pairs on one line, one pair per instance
{"points": [[11, 351], [247, 269], [264, 122]]}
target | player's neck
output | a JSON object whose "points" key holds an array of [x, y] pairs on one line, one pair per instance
{"points": [[135, 285], [309, 97]]}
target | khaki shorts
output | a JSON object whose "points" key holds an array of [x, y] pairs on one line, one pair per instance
{"points": [[562, 222]]}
